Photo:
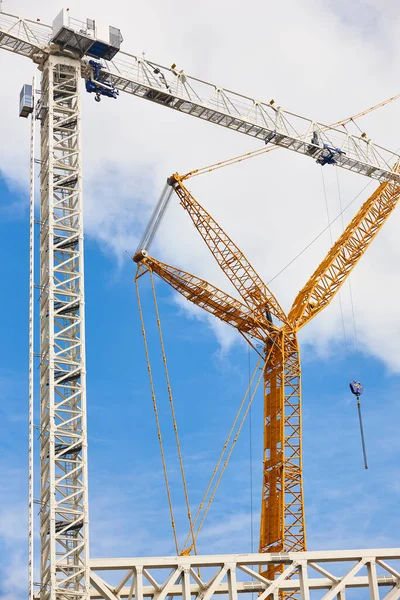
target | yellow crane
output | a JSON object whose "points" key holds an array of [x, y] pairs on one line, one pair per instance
{"points": [[259, 317]]}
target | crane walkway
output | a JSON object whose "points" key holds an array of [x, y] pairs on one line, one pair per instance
{"points": [[174, 88]]}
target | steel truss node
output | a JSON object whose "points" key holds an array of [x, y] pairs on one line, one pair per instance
{"points": [[328, 574], [63, 447]]}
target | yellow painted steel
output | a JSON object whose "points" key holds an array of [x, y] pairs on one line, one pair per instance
{"points": [[282, 527], [155, 408], [172, 407], [325, 282], [230, 258]]}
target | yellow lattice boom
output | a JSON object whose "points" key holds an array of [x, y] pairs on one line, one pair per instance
{"points": [[259, 316]]}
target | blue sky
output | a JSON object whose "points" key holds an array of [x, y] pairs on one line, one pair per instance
{"points": [[125, 166]]}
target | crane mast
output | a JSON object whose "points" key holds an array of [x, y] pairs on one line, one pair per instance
{"points": [[282, 525], [63, 440]]}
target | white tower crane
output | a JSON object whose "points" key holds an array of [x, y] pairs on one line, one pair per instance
{"points": [[64, 53]]}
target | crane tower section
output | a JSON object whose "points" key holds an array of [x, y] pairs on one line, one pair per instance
{"points": [[63, 446]]}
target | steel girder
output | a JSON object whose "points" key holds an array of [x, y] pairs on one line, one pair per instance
{"points": [[328, 574]]}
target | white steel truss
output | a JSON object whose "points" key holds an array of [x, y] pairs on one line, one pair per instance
{"points": [[324, 575], [176, 90], [63, 446]]}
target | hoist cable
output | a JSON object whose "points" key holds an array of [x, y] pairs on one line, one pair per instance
{"points": [[354, 318], [171, 403], [319, 235], [223, 451], [229, 453], [331, 238], [155, 408], [349, 277], [350, 286]]}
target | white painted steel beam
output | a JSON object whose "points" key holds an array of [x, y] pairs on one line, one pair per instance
{"points": [[231, 575]]}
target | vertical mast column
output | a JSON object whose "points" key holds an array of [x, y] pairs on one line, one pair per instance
{"points": [[63, 445], [282, 514]]}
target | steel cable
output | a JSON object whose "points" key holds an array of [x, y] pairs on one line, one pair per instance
{"points": [[171, 403], [155, 408]]}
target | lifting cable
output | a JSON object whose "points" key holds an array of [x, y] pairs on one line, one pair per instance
{"points": [[171, 403], [320, 233], [230, 452], [211, 490], [331, 239], [355, 386], [153, 396], [349, 277]]}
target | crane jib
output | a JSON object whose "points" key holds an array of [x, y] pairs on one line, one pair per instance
{"points": [[175, 89]]}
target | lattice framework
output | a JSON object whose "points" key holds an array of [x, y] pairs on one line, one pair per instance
{"points": [[63, 444]]}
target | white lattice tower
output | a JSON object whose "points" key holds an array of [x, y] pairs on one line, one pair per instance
{"points": [[64, 502]]}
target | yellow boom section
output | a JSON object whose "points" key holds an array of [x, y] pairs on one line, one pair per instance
{"points": [[229, 257], [207, 296], [326, 281]]}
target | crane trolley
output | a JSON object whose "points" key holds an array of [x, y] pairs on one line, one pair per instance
{"points": [[97, 84], [328, 155]]}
